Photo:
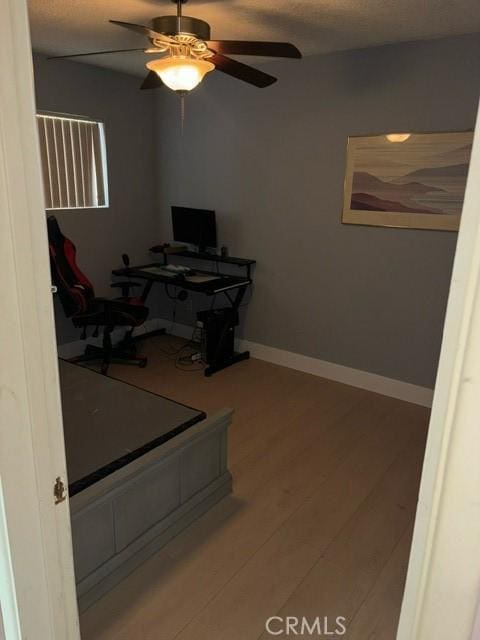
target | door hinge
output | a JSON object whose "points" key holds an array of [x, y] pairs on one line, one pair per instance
{"points": [[59, 492]]}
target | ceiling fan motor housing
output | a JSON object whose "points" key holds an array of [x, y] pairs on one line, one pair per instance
{"points": [[168, 25]]}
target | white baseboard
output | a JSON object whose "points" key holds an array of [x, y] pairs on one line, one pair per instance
{"points": [[355, 377]]}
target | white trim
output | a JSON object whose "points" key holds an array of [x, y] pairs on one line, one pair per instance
{"points": [[346, 375], [180, 330], [66, 209], [354, 377], [476, 628], [443, 583], [32, 453], [64, 116], [8, 596]]}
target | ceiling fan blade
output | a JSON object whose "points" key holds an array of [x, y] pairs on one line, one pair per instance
{"points": [[241, 71], [145, 31], [152, 81], [251, 48], [93, 53]]}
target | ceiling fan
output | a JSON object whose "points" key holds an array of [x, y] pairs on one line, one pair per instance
{"points": [[188, 54]]}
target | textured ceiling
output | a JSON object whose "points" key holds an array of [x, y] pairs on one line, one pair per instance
{"points": [[315, 26]]}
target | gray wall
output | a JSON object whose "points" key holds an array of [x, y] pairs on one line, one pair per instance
{"points": [[271, 162], [129, 224]]}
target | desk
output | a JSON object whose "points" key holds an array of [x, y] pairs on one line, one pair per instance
{"points": [[152, 273], [219, 283]]}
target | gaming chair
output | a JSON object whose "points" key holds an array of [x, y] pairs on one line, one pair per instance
{"points": [[79, 302]]}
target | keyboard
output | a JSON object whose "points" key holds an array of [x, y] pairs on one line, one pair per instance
{"points": [[177, 268]]}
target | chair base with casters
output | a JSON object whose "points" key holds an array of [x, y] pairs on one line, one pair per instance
{"points": [[120, 312], [111, 354]]}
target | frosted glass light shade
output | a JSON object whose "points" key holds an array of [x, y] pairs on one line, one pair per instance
{"points": [[398, 137], [181, 74]]}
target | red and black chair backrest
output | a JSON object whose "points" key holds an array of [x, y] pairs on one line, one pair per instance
{"points": [[75, 290]]}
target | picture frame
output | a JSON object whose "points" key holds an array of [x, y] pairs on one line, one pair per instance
{"points": [[407, 180]]}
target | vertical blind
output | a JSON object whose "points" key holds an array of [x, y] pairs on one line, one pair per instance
{"points": [[74, 162]]}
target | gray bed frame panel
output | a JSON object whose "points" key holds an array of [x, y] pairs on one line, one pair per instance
{"points": [[121, 520]]}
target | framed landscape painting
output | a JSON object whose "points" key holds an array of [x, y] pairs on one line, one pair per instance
{"points": [[407, 180]]}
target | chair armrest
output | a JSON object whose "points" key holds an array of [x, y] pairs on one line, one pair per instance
{"points": [[125, 286], [108, 312]]}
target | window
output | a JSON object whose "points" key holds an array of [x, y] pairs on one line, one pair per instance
{"points": [[74, 162]]}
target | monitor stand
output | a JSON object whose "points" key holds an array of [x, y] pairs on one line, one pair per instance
{"points": [[203, 251]]}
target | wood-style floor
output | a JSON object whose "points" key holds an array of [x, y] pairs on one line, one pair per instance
{"points": [[326, 480]]}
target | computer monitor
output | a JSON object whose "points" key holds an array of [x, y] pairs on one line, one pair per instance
{"points": [[194, 226]]}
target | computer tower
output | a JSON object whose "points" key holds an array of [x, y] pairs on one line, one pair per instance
{"points": [[218, 334]]}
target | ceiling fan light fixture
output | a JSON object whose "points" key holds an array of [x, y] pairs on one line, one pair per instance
{"points": [[180, 73]]}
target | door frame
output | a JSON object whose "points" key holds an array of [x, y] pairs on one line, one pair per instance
{"points": [[37, 585], [443, 582]]}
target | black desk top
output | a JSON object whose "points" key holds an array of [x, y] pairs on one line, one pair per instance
{"points": [[109, 423], [222, 282]]}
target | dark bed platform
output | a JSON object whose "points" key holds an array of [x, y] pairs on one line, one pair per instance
{"points": [[141, 468], [109, 423]]}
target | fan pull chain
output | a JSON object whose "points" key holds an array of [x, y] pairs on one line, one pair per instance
{"points": [[182, 112]]}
